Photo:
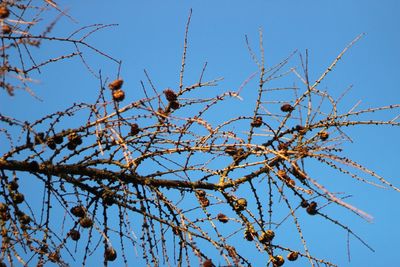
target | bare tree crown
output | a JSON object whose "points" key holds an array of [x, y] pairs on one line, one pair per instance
{"points": [[161, 175]]}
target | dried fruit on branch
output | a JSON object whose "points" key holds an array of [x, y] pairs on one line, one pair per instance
{"points": [[116, 84], [4, 12], [312, 208], [110, 254], [78, 211], [300, 129], [174, 104], [3, 207], [13, 185], [278, 260], [208, 263], [6, 29], [25, 219], [58, 139], [222, 218], [86, 222], [51, 144], [292, 256], [18, 198], [230, 150], [266, 237], [74, 234], [249, 234], [257, 122], [304, 203], [134, 129], [118, 95], [287, 108], [240, 204], [323, 136], [170, 95]]}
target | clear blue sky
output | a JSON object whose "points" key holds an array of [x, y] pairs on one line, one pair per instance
{"points": [[150, 35]]}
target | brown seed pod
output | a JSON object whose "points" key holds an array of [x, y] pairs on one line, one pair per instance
{"points": [[134, 129], [162, 114], [312, 208], [257, 122], [39, 138], [71, 145], [231, 150], [72, 136], [6, 29], [249, 235], [231, 251], [13, 185], [283, 146], [44, 248], [3, 207], [110, 254], [175, 230], [54, 257], [208, 263], [204, 202], [108, 197], [40, 263], [287, 108], [300, 129], [25, 219], [278, 260], [5, 216], [74, 139], [282, 173], [78, 211], [86, 222], [51, 144], [170, 95], [290, 182], [222, 218], [116, 84], [18, 198], [239, 154], [200, 193], [4, 12], [118, 95], [304, 203], [323, 135], [240, 204], [266, 236], [78, 140], [74, 234], [58, 139], [174, 104], [292, 256]]}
